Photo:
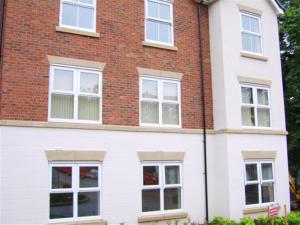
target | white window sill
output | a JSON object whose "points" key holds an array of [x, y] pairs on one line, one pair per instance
{"points": [[254, 56], [162, 46], [156, 218], [77, 31], [92, 222]]}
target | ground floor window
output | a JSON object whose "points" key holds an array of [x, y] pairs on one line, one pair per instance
{"points": [[259, 182], [161, 187], [74, 192]]}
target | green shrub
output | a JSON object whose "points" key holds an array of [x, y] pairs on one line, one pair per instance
{"points": [[262, 220], [294, 218], [222, 221], [247, 221]]}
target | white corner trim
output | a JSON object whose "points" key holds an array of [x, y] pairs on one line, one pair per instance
{"points": [[75, 62], [159, 73], [250, 80]]}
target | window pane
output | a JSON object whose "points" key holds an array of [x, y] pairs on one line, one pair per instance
{"points": [[267, 192], [254, 22], [246, 22], [152, 30], [69, 15], [88, 177], [263, 117], [267, 171], [63, 80], [170, 114], [262, 97], [170, 91], [251, 172], [165, 33], [149, 89], [165, 12], [251, 192], [172, 198], [88, 108], [247, 95], [88, 204], [172, 174], [153, 9], [62, 106], [61, 205], [248, 118], [151, 175], [256, 44], [90, 2], [61, 177], [86, 18], [89, 82], [246, 42], [150, 200], [150, 112]]}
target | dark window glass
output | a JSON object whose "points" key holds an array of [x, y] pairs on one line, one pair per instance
{"points": [[151, 175], [88, 177], [267, 192], [61, 205], [252, 196], [88, 203], [172, 198], [251, 172], [61, 177], [151, 200]]}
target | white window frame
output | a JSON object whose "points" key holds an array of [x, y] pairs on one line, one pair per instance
{"points": [[160, 100], [72, 2], [75, 189], [249, 14], [255, 105], [162, 186], [76, 92], [259, 181], [171, 22]]}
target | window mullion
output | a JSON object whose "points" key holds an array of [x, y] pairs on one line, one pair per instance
{"points": [[76, 92], [74, 187], [160, 99], [162, 187]]}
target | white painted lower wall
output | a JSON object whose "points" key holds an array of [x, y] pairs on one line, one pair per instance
{"points": [[227, 193], [24, 177], [25, 172]]}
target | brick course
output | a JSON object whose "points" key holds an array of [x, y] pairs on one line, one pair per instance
{"points": [[30, 36]]}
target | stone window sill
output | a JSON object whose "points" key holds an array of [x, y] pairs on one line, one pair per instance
{"points": [[154, 45], [92, 222], [156, 218], [79, 32], [259, 209], [254, 56]]}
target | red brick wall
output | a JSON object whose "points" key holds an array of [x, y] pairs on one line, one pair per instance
{"points": [[30, 36]]}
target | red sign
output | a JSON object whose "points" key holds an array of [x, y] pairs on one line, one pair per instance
{"points": [[273, 210]]}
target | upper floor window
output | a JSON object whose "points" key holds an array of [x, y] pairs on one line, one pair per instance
{"points": [[259, 182], [74, 192], [255, 106], [79, 14], [162, 186], [159, 21], [160, 102], [75, 94], [251, 33]]}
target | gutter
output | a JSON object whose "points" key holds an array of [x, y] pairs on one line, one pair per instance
{"points": [[200, 2]]}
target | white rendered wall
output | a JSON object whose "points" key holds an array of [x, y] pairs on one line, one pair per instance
{"points": [[24, 177], [225, 158], [227, 64]]}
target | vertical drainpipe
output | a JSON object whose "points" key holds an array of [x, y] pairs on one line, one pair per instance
{"points": [[200, 2], [3, 6]]}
